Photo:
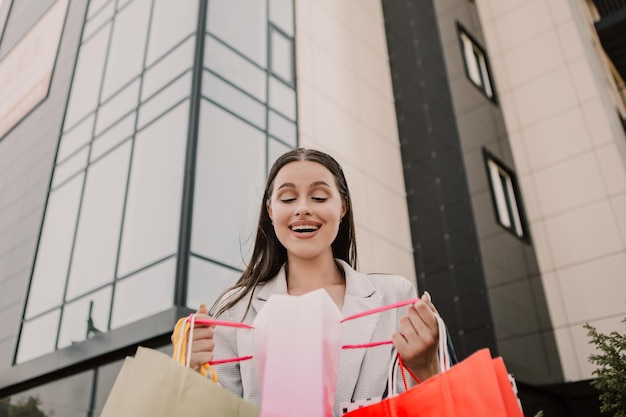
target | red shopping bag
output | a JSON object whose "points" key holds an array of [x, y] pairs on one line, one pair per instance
{"points": [[477, 386]]}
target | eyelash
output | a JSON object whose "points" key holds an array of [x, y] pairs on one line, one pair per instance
{"points": [[316, 199]]}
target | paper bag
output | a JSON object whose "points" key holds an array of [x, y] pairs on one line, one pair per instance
{"points": [[153, 385], [477, 386], [296, 347]]}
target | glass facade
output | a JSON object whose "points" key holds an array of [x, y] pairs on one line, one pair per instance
{"points": [[163, 94]]}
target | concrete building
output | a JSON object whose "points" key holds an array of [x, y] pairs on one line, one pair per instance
{"points": [[483, 142]]}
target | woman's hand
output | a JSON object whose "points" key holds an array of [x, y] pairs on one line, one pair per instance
{"points": [[418, 339], [203, 343]]}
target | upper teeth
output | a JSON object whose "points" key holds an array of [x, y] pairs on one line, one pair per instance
{"points": [[302, 228]]}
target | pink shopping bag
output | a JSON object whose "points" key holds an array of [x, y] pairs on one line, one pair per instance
{"points": [[296, 347]]}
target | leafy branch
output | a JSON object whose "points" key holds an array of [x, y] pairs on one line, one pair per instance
{"points": [[611, 369]]}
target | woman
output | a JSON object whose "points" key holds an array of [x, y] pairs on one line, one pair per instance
{"points": [[305, 241]]}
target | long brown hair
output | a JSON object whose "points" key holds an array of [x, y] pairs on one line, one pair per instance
{"points": [[269, 255]]}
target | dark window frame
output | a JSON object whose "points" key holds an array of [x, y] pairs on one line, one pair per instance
{"points": [[518, 224], [486, 75]]}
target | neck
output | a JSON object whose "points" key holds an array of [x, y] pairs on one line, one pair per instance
{"points": [[304, 275]]}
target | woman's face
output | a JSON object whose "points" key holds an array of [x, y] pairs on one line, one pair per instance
{"points": [[306, 209]]}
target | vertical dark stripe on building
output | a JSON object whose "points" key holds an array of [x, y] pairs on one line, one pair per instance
{"points": [[186, 218], [446, 248]]}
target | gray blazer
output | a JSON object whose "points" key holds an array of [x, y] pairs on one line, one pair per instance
{"points": [[362, 372]]}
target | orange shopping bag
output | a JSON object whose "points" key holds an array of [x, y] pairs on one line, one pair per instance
{"points": [[476, 386]]}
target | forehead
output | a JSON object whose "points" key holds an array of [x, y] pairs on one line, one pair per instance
{"points": [[304, 173]]}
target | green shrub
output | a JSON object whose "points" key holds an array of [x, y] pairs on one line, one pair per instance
{"points": [[611, 369]]}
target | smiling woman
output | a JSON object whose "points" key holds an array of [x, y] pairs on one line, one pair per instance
{"points": [[305, 241]]}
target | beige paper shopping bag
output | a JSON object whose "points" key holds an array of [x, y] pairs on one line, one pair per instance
{"points": [[153, 385]]}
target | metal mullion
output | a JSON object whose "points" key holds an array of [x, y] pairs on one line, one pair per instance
{"points": [[164, 112], [162, 88], [146, 267], [295, 78], [168, 52], [268, 74], [212, 101], [282, 141], [130, 168], [236, 51], [108, 152], [187, 203], [236, 86], [71, 177], [216, 262], [82, 193]]}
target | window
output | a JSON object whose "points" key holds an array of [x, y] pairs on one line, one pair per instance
{"points": [[506, 196], [476, 63]]}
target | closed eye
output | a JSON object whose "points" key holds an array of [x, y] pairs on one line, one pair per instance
{"points": [[288, 200], [319, 199]]}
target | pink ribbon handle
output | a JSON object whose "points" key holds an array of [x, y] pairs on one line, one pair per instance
{"points": [[374, 311], [379, 309], [212, 322]]}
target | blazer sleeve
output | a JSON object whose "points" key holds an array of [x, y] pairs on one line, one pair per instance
{"points": [[225, 339]]}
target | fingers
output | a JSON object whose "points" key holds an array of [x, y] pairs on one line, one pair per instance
{"points": [[201, 351], [202, 342], [428, 301], [418, 338]]}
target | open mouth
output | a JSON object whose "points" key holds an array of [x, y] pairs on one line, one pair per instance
{"points": [[305, 228]]}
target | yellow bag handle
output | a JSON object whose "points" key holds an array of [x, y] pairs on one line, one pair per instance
{"points": [[182, 339]]}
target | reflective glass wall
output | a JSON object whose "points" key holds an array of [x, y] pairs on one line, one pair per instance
{"points": [[109, 253], [247, 119]]}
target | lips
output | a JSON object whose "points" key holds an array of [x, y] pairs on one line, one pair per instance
{"points": [[305, 227]]}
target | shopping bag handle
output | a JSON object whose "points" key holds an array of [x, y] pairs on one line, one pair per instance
{"points": [[374, 311]]}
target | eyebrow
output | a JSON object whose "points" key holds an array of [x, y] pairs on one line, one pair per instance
{"points": [[313, 184]]}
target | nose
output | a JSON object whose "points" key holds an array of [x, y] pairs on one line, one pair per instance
{"points": [[303, 210]]}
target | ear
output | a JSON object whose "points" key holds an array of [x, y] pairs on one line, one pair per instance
{"points": [[344, 208], [268, 207]]}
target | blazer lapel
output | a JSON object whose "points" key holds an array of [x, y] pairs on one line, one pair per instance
{"points": [[276, 285], [360, 296]]}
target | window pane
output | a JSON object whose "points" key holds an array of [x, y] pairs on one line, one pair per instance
{"points": [[168, 68], [282, 98], [53, 255], [103, 15], [75, 138], [116, 134], [144, 294], [498, 191], [96, 5], [242, 24], [233, 99], [274, 150], [282, 128], [172, 21], [117, 107], [485, 76], [207, 281], [87, 77], [235, 68], [282, 57], [71, 166], [225, 212], [164, 99], [155, 191], [281, 14], [38, 336], [127, 46], [75, 321], [97, 238], [470, 60], [105, 379], [67, 397]]}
